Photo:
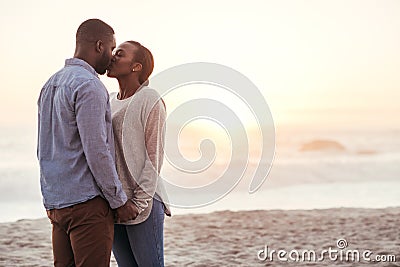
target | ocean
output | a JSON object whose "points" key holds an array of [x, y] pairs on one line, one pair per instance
{"points": [[312, 169]]}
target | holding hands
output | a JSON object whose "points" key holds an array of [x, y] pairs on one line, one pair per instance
{"points": [[129, 211]]}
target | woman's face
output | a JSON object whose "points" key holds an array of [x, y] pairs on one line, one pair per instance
{"points": [[122, 62]]}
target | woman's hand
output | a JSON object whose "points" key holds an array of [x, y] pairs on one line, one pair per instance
{"points": [[127, 212]]}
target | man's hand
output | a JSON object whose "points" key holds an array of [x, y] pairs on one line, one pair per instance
{"points": [[127, 212]]}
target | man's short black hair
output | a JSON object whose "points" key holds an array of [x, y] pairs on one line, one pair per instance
{"points": [[93, 30]]}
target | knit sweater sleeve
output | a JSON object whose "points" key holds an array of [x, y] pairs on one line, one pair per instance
{"points": [[154, 131]]}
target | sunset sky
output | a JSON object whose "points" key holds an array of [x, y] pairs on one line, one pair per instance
{"points": [[312, 60]]}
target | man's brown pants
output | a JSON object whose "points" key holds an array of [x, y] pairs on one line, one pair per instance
{"points": [[82, 234]]}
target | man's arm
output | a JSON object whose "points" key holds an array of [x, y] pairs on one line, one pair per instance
{"points": [[91, 104]]}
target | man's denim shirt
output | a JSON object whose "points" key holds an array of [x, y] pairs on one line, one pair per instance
{"points": [[75, 140]]}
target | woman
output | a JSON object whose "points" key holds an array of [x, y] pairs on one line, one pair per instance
{"points": [[138, 117]]}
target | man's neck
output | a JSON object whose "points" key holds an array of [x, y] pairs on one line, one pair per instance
{"points": [[84, 55]]}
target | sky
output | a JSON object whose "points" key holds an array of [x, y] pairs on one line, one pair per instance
{"points": [[335, 62]]}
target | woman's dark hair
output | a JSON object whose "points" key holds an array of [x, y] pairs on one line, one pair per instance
{"points": [[144, 57]]}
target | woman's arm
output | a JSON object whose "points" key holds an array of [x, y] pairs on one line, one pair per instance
{"points": [[154, 130]]}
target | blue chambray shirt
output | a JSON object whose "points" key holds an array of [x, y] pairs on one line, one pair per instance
{"points": [[75, 140]]}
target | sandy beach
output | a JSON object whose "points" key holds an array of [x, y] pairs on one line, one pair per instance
{"points": [[228, 238]]}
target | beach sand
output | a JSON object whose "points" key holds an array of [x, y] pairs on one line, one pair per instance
{"points": [[228, 238]]}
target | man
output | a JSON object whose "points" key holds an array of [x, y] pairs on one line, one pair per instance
{"points": [[78, 178]]}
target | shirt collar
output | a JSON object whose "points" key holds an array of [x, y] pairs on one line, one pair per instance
{"points": [[82, 63]]}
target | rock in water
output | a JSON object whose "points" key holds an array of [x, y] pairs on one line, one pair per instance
{"points": [[322, 145]]}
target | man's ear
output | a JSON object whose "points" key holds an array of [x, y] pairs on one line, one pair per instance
{"points": [[99, 46]]}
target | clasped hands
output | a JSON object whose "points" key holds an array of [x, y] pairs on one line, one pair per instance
{"points": [[129, 211]]}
